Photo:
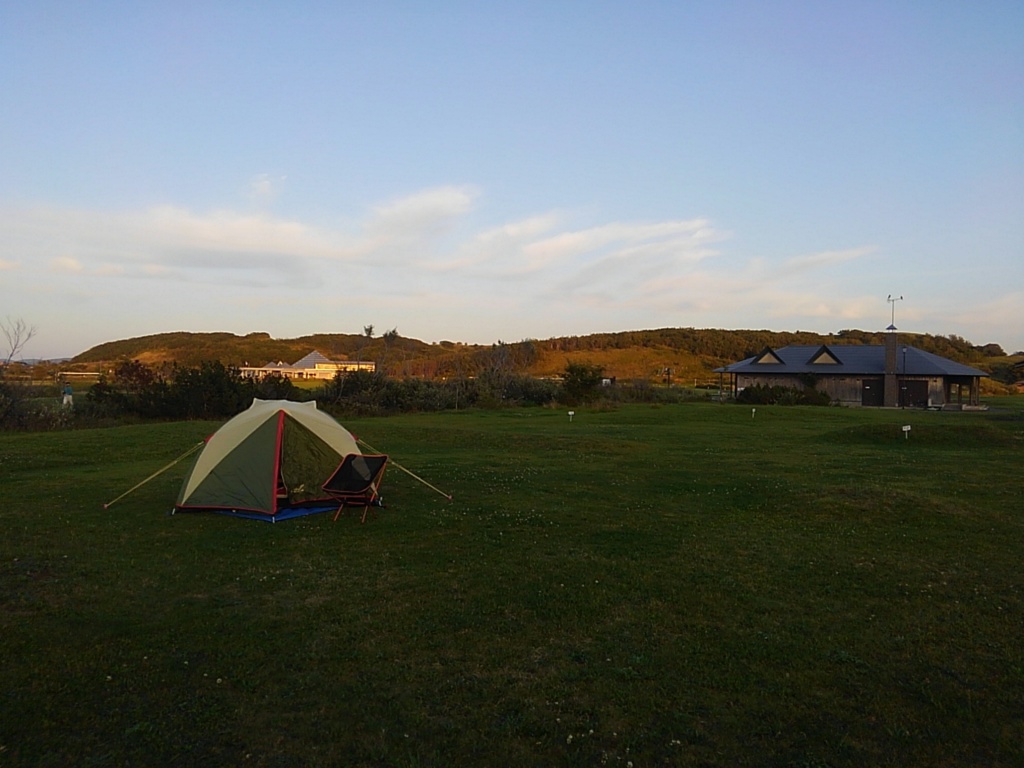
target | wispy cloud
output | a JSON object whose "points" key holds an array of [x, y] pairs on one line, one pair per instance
{"points": [[97, 239], [263, 188], [412, 226], [500, 246], [409, 230], [106, 243], [1002, 312], [683, 238], [799, 265], [424, 210], [419, 256]]}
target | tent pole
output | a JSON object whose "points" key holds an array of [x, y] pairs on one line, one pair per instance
{"points": [[412, 475], [193, 449]]}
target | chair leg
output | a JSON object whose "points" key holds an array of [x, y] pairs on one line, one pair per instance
{"points": [[338, 512]]}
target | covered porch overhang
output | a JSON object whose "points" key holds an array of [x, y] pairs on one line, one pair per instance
{"points": [[962, 390]]}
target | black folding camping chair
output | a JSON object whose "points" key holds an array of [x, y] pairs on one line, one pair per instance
{"points": [[356, 482]]}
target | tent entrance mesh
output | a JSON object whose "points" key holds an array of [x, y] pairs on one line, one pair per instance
{"points": [[306, 463]]}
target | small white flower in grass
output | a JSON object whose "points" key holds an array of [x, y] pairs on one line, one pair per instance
{"points": [[568, 739]]}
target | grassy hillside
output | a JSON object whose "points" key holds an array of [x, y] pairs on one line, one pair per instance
{"points": [[251, 349], [683, 585], [690, 354]]}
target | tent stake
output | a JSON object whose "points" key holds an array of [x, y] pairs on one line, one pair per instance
{"points": [[412, 475], [193, 449]]}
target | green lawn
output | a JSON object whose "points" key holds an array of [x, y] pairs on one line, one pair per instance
{"points": [[683, 585]]}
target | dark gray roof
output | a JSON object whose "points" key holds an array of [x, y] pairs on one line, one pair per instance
{"points": [[854, 360], [310, 360]]}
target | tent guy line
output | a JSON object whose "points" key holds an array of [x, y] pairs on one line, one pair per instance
{"points": [[411, 474], [268, 463], [159, 472]]}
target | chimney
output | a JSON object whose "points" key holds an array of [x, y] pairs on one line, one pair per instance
{"points": [[890, 397]]}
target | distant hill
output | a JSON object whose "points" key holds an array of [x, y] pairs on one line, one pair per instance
{"points": [[680, 353], [252, 349]]}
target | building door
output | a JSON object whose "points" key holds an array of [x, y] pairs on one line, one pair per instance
{"points": [[872, 392], [913, 394]]}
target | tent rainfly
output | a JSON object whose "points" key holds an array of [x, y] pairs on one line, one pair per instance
{"points": [[268, 462]]}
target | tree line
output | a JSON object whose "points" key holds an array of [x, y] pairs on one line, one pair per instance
{"points": [[213, 390]]}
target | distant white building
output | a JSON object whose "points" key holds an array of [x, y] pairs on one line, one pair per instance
{"points": [[312, 366]]}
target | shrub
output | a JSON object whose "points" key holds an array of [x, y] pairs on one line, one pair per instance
{"points": [[208, 391], [581, 383], [276, 387], [761, 394]]}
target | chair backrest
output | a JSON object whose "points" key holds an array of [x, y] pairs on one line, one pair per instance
{"points": [[357, 474]]}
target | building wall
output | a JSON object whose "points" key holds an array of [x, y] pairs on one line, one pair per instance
{"points": [[846, 390], [322, 371]]}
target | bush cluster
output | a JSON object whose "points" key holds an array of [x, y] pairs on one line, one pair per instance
{"points": [[761, 394], [24, 408], [210, 390], [367, 393]]}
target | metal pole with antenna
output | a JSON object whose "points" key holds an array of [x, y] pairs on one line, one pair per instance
{"points": [[892, 301]]}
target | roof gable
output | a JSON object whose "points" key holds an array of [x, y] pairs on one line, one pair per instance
{"points": [[825, 356], [311, 360], [767, 357]]}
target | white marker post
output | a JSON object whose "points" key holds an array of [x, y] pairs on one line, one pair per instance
{"points": [[906, 432], [753, 412], [571, 414]]}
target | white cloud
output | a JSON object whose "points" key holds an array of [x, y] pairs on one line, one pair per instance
{"points": [[827, 258], [1000, 322], [798, 266], [423, 209], [66, 264], [621, 239], [263, 188], [418, 263], [412, 226], [814, 305], [501, 245], [408, 230], [399, 250], [175, 230]]}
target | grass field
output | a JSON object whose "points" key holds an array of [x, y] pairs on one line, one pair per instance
{"points": [[684, 585]]}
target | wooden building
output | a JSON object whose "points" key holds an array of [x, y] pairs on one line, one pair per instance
{"points": [[890, 375]]}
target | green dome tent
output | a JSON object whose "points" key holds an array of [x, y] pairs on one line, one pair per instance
{"points": [[268, 462]]}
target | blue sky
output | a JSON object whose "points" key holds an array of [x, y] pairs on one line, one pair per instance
{"points": [[485, 171]]}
